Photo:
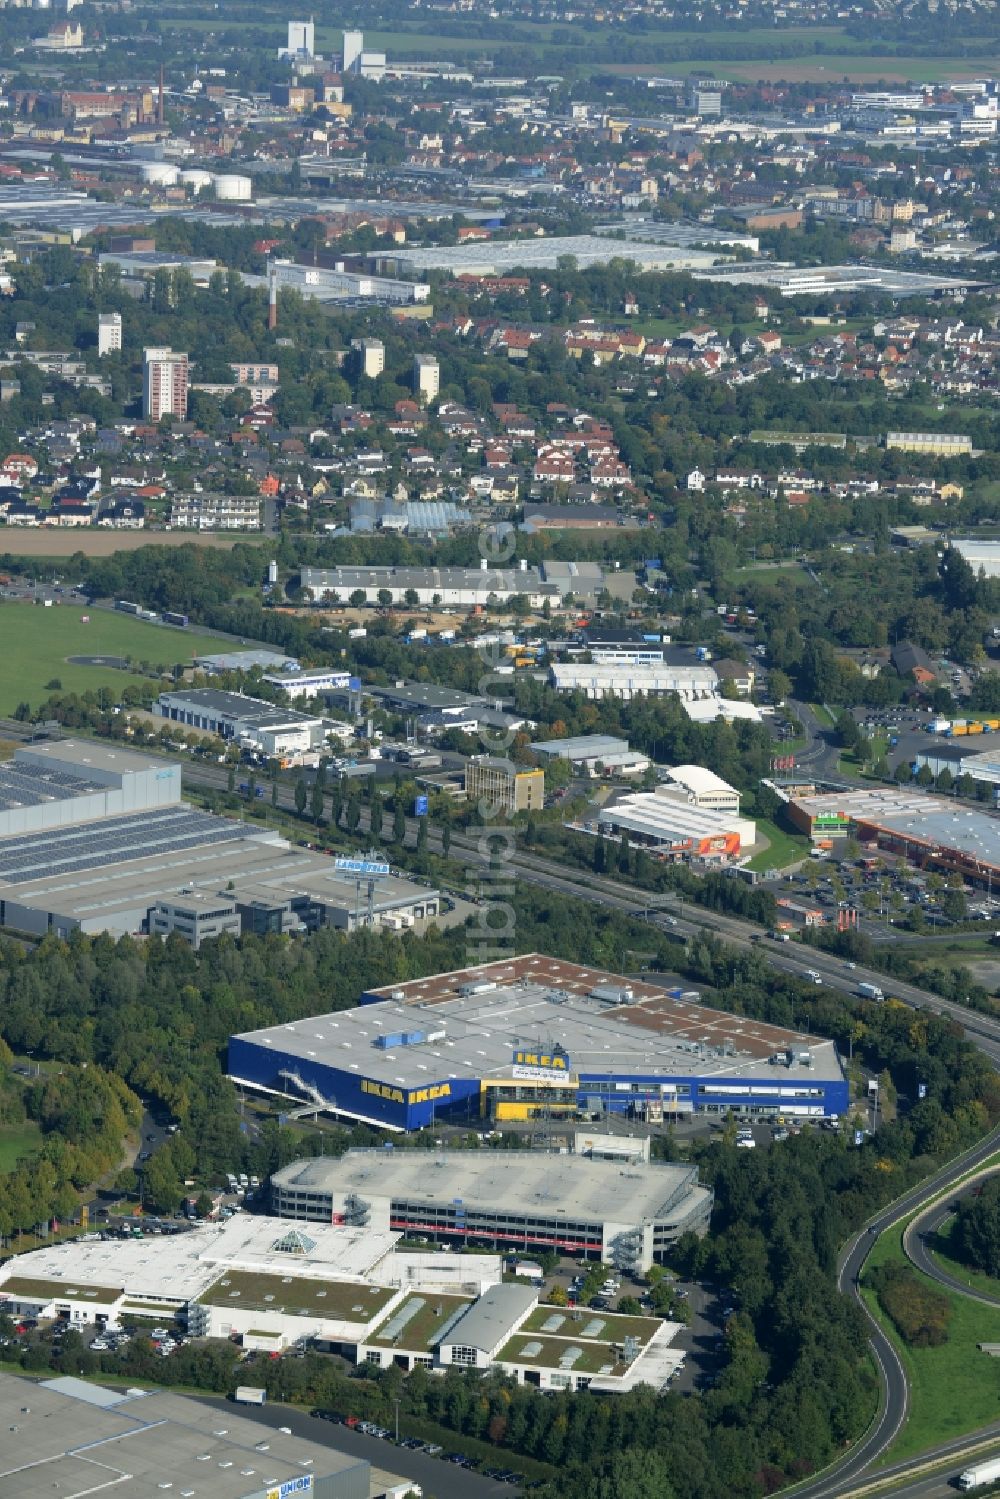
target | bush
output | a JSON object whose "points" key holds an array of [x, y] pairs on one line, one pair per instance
{"points": [[919, 1313]]}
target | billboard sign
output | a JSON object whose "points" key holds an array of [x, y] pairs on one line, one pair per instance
{"points": [[366, 867], [420, 806], [542, 1065]]}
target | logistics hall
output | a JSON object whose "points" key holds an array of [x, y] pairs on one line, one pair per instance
{"points": [[538, 1037], [96, 838]]}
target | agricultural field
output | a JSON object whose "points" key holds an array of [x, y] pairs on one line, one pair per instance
{"points": [[37, 645], [585, 47], [17, 541]]}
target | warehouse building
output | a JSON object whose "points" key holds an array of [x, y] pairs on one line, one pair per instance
{"points": [[97, 839], [266, 727], [647, 679], [675, 828], [448, 587], [249, 660], [66, 782], [701, 787], [982, 556], [75, 1438], [960, 759], [480, 587], [498, 258], [594, 754], [538, 1037], [929, 830], [622, 1214]]}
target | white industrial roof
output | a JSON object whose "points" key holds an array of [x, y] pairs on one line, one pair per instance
{"points": [[670, 820], [494, 257], [181, 1267], [708, 709], [698, 780]]}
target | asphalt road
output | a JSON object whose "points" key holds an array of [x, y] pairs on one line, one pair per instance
{"points": [[919, 1236], [443, 1480]]}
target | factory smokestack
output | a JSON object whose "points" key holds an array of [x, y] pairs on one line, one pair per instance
{"points": [[272, 300]]}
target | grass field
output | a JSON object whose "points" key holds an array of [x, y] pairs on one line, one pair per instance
{"points": [[15, 541], [954, 1389], [36, 643], [784, 848], [589, 47], [17, 1140]]}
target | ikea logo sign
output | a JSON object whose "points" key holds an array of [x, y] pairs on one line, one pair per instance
{"points": [[382, 1090], [396, 1095], [430, 1095], [555, 1061]]}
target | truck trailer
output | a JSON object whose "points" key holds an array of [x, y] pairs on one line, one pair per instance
{"points": [[869, 991], [982, 1473], [248, 1394]]}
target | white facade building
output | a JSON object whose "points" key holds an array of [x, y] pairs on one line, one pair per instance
{"points": [[702, 787], [607, 679], [109, 333], [164, 384], [301, 39], [426, 378], [308, 684]]}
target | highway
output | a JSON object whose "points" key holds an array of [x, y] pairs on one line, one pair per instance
{"points": [[676, 918]]}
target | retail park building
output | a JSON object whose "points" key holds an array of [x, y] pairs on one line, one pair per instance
{"points": [[351, 1289], [534, 1037]]}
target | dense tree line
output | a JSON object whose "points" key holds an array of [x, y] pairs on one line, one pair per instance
{"points": [[975, 1239]]}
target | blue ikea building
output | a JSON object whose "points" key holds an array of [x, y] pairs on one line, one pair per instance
{"points": [[537, 1036]]}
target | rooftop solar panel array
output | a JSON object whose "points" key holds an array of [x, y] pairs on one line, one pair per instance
{"points": [[94, 845], [30, 788]]}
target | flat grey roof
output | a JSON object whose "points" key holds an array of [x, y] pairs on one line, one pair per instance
{"points": [[582, 747], [544, 254], [493, 1317], [427, 695], [654, 1036], [78, 850], [65, 1445], [339, 579], [243, 660], [119, 892], [237, 708], [81, 755], [538, 1182]]}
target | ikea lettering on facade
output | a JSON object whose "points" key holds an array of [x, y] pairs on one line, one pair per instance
{"points": [[430, 1094], [555, 1061]]}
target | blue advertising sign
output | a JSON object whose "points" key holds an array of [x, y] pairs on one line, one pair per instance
{"points": [[355, 684], [365, 867], [420, 806]]}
